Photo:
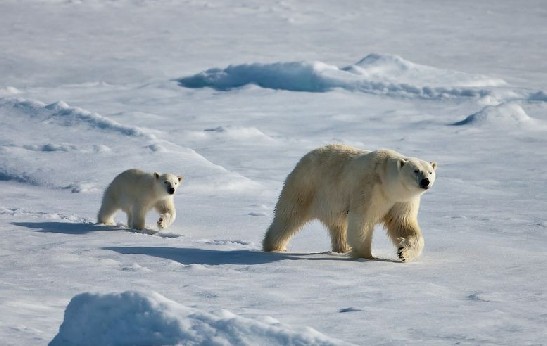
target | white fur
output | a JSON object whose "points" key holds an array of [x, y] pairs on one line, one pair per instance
{"points": [[350, 191], [136, 192]]}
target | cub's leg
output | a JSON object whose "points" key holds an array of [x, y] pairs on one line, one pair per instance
{"points": [[167, 212], [107, 211], [137, 218]]}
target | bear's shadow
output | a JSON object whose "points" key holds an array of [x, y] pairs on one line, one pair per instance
{"points": [[188, 256]]}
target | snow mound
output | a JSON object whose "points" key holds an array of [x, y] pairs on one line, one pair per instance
{"points": [[394, 69], [291, 76], [136, 318], [376, 74], [239, 133], [7, 174], [62, 114], [503, 115], [538, 96], [8, 91]]}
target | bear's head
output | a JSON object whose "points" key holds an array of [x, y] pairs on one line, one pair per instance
{"points": [[168, 182], [410, 177], [415, 174]]}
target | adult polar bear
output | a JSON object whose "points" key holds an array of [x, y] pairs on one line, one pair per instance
{"points": [[136, 192], [350, 191]]}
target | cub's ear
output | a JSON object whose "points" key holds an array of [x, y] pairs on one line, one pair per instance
{"points": [[180, 178], [433, 164], [156, 175]]}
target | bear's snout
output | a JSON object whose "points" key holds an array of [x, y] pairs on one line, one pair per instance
{"points": [[424, 183], [171, 190]]}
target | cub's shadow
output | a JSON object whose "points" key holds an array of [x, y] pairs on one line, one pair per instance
{"points": [[64, 227], [189, 256]]}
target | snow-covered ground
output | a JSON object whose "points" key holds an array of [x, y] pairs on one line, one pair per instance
{"points": [[231, 94]]}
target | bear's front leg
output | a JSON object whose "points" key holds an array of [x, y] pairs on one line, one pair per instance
{"points": [[359, 235], [137, 218], [410, 248], [403, 229]]}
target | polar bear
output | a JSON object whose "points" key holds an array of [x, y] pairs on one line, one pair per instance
{"points": [[136, 192], [350, 191]]}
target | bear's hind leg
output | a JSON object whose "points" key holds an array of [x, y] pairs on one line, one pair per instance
{"points": [[106, 212], [338, 236], [280, 232]]}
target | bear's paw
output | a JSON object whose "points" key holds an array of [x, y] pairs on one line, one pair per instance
{"points": [[409, 248]]}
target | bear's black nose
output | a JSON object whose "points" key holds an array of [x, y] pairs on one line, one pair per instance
{"points": [[171, 190], [424, 183]]}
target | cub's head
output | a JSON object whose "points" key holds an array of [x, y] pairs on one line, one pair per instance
{"points": [[415, 174], [169, 182]]}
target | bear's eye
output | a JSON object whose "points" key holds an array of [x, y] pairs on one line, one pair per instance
{"points": [[166, 182], [416, 171]]}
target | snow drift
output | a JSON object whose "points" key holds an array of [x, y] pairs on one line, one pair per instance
{"points": [[376, 74], [136, 318], [62, 114], [508, 114]]}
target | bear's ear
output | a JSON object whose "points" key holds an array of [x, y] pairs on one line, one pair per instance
{"points": [[180, 178], [401, 163], [156, 175], [433, 164]]}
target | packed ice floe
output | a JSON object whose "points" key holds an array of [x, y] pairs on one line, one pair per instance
{"points": [[138, 318]]}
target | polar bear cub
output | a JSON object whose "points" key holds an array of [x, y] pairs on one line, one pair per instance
{"points": [[350, 191], [136, 192]]}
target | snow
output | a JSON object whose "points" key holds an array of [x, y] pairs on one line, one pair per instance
{"points": [[231, 94], [134, 318]]}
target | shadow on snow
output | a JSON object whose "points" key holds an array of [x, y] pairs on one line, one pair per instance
{"points": [[189, 256], [64, 227], [211, 257]]}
